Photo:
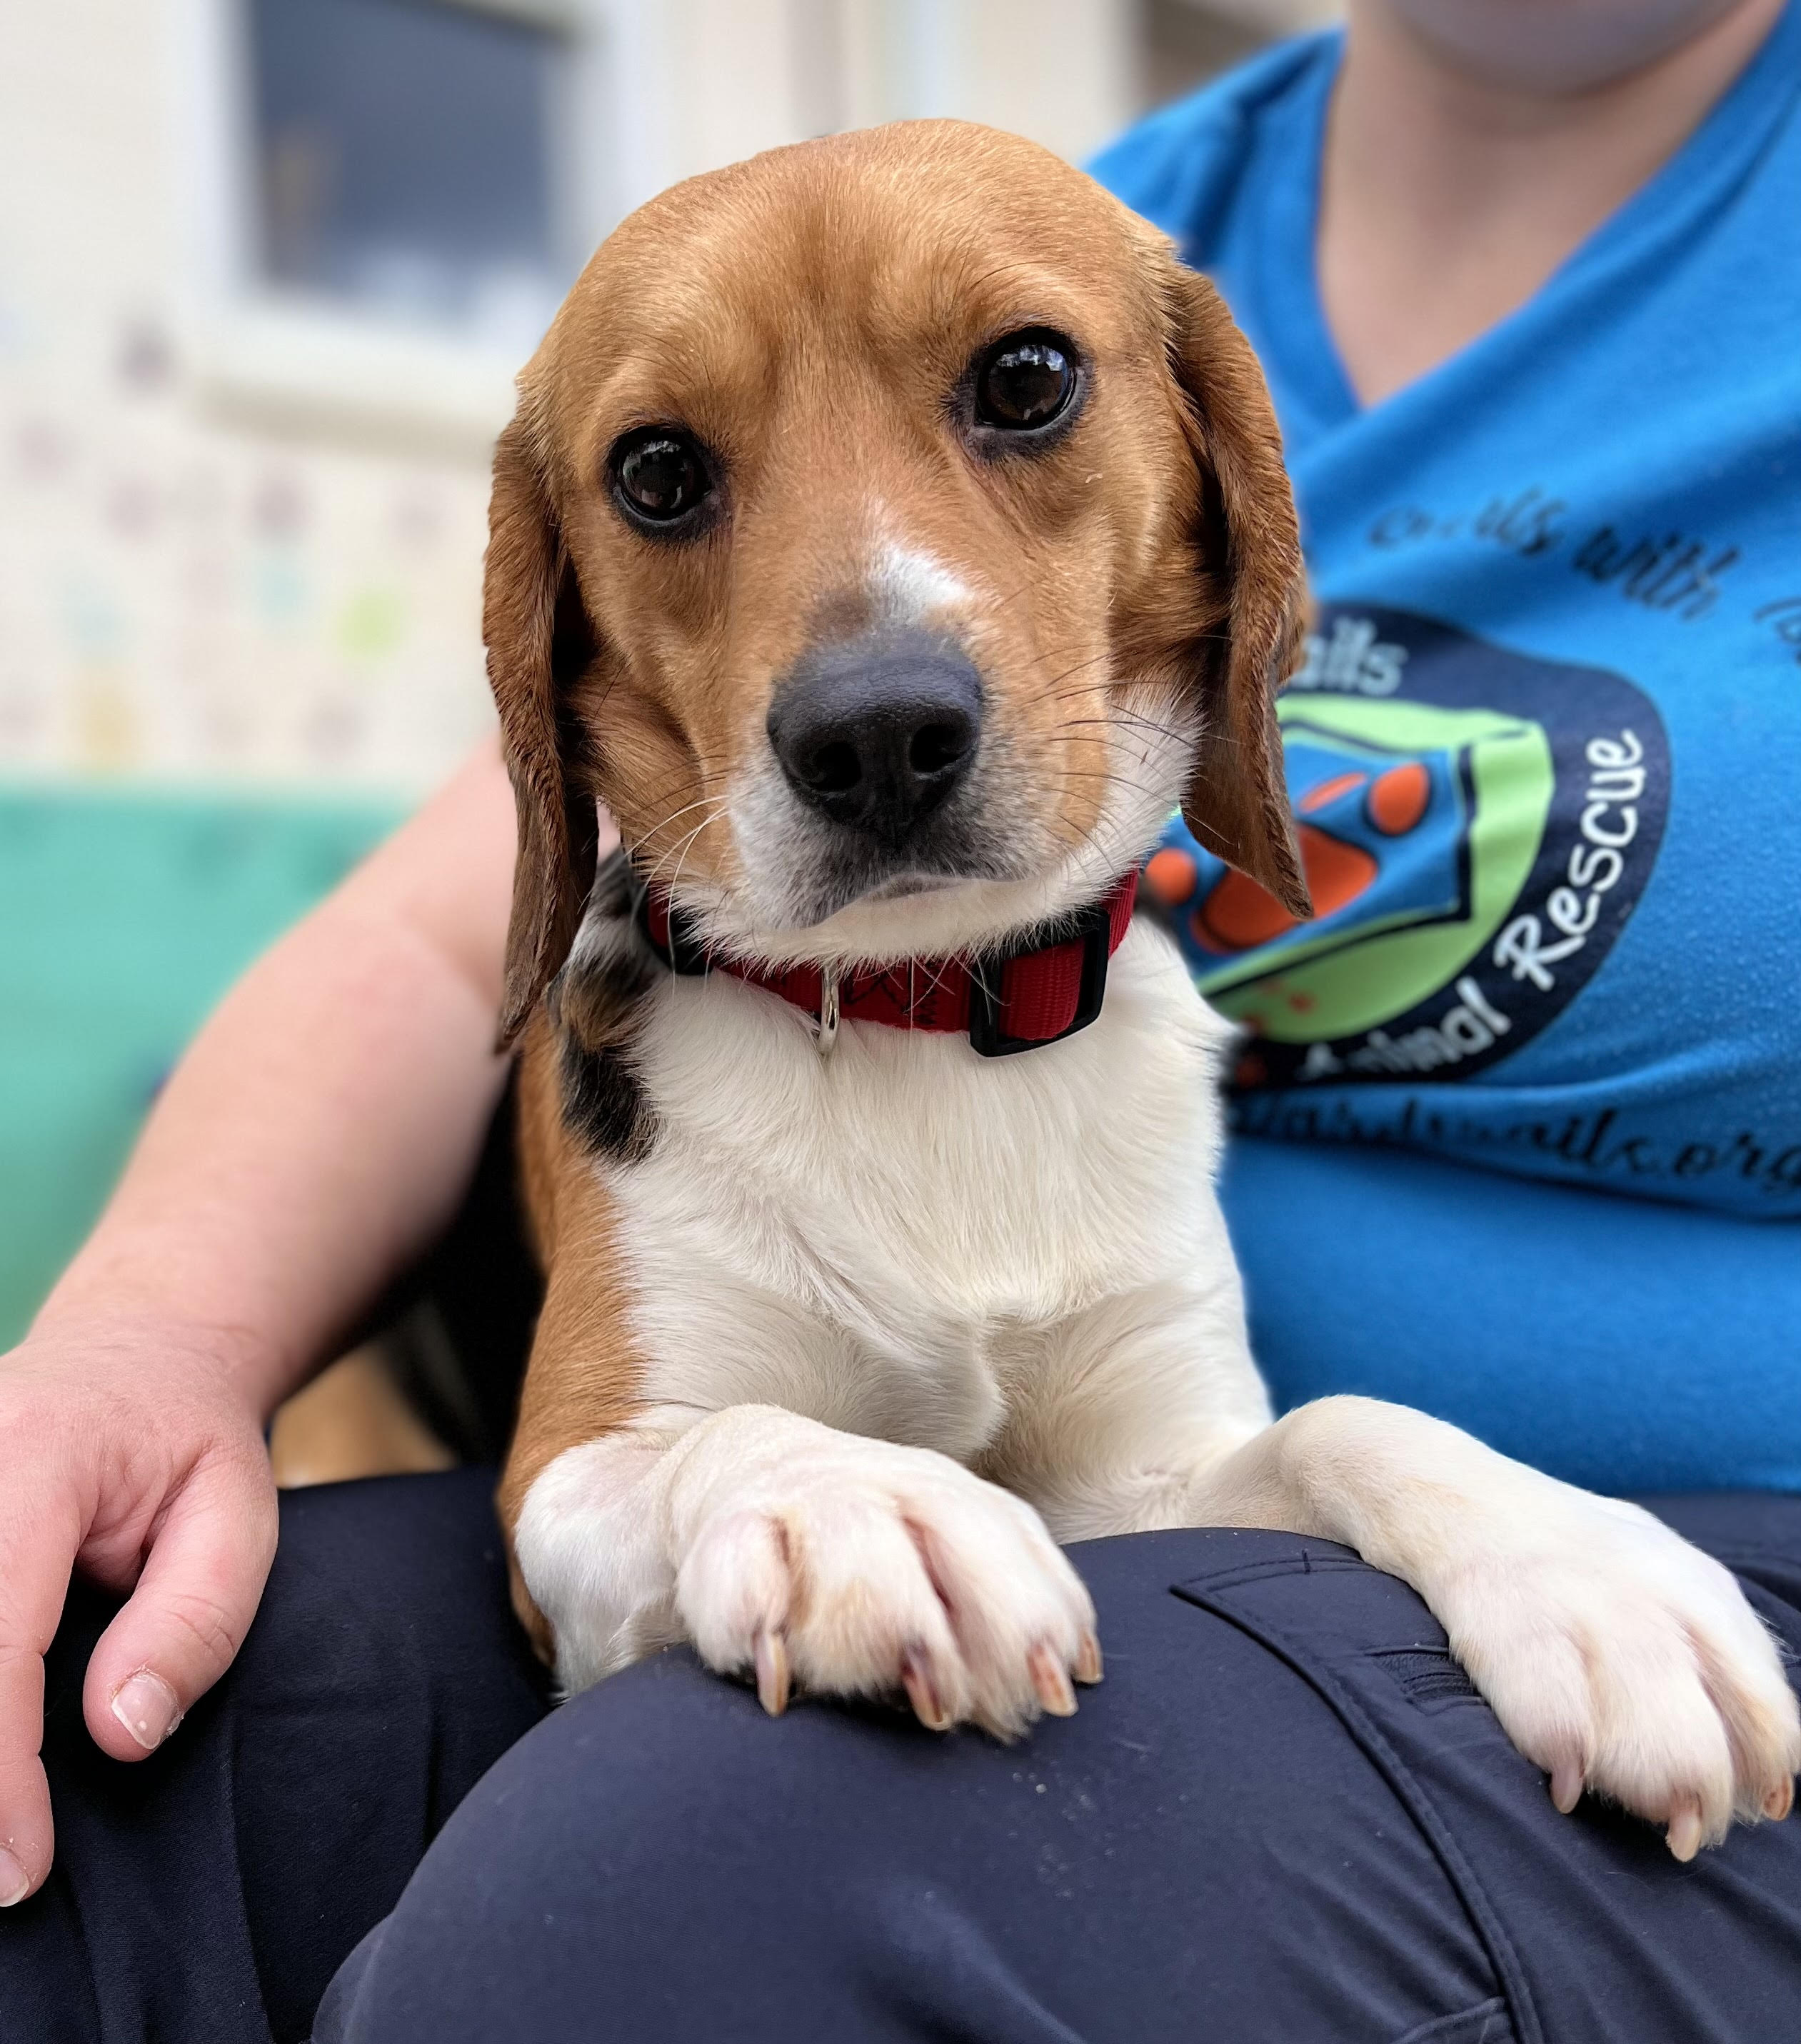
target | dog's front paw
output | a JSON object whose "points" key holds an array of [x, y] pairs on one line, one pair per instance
{"points": [[857, 1568], [1623, 1661]]}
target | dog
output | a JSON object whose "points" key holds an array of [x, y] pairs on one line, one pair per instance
{"points": [[892, 533]]}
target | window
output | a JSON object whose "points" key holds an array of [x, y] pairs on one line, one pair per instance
{"points": [[389, 198], [404, 162]]}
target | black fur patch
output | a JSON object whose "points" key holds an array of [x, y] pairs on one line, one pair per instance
{"points": [[597, 1008], [604, 1103]]}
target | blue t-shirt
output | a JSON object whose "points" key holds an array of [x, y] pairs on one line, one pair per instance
{"points": [[1546, 757]]}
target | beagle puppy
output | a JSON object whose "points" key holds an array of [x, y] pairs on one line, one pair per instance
{"points": [[892, 533]]}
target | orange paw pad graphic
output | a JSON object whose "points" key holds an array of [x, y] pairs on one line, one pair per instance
{"points": [[1397, 799], [1172, 875], [1238, 915]]}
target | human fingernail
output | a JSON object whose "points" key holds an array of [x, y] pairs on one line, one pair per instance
{"points": [[15, 1883], [1087, 1659], [148, 1708]]}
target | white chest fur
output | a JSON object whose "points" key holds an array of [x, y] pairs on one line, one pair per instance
{"points": [[862, 1237]]}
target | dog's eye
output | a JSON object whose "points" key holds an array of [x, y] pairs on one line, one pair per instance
{"points": [[660, 474], [1024, 383]]}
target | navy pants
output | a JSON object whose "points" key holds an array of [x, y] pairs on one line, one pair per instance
{"points": [[1283, 1819]]}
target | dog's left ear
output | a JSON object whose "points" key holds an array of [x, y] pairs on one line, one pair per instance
{"points": [[1238, 800], [539, 640]]}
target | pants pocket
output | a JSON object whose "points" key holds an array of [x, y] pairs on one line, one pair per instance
{"points": [[1596, 1936]]}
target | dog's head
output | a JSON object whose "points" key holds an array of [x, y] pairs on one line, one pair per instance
{"points": [[892, 531]]}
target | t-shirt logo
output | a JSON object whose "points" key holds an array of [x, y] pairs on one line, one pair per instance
{"points": [[1476, 827]]}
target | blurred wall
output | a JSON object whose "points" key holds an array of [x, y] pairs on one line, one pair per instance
{"points": [[243, 527], [192, 585], [1183, 42]]}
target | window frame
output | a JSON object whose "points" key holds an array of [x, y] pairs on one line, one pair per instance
{"points": [[279, 357]]}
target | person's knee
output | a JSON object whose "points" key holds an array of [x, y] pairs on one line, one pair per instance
{"points": [[659, 1860], [655, 1845]]}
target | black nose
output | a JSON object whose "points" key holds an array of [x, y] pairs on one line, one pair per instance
{"points": [[877, 733]]}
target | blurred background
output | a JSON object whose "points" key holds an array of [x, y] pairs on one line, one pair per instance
{"points": [[267, 269]]}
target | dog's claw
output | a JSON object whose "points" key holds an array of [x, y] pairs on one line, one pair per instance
{"points": [[1087, 1659], [772, 1671], [1780, 1800], [1051, 1682], [1566, 1785], [922, 1692], [1684, 1834]]}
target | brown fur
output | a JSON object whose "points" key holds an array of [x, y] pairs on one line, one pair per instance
{"points": [[583, 1378], [806, 314], [1158, 538], [1237, 802]]}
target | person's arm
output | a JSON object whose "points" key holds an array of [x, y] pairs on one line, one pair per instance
{"points": [[319, 1131], [324, 1121]]}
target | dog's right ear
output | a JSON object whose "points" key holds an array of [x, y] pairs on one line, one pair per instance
{"points": [[538, 639]]}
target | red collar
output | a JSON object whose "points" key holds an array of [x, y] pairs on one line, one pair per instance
{"points": [[1041, 988]]}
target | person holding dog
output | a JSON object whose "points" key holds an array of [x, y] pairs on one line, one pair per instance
{"points": [[1524, 301]]}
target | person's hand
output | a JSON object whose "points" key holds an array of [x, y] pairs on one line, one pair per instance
{"points": [[132, 1451], [314, 1139]]}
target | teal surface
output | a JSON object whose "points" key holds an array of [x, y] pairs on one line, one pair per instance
{"points": [[123, 918]]}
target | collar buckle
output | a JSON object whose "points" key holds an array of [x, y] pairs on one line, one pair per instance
{"points": [[1094, 927]]}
